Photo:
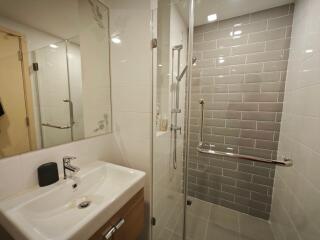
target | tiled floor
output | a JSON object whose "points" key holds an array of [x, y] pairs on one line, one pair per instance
{"points": [[207, 221]]}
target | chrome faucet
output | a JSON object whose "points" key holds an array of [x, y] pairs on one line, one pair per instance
{"points": [[67, 166]]}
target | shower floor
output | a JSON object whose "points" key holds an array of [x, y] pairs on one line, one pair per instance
{"points": [[208, 221]]}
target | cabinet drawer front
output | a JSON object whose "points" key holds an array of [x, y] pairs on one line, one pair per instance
{"points": [[127, 223]]}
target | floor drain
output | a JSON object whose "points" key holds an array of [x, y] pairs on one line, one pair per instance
{"points": [[84, 204]]}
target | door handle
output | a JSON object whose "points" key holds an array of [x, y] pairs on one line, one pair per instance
{"points": [[110, 233], [119, 224]]}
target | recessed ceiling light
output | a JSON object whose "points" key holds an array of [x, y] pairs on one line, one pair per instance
{"points": [[116, 40], [309, 51], [53, 46], [212, 17]]}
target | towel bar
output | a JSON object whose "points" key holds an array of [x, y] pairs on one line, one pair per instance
{"points": [[287, 162], [284, 162], [55, 126]]}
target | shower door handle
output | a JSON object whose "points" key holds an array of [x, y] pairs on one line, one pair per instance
{"points": [[72, 122]]}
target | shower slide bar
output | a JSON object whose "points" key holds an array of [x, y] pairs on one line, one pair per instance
{"points": [[203, 148], [176, 108]]}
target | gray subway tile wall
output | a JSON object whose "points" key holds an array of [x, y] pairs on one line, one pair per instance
{"points": [[240, 73]]}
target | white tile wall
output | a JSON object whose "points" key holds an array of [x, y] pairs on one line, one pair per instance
{"points": [[295, 209], [95, 61], [131, 74], [131, 70]]}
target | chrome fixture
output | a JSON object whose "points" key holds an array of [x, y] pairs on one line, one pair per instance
{"points": [[72, 122], [55, 126], [202, 119], [114, 228], [176, 109], [67, 166], [84, 204], [178, 47], [207, 148], [287, 162], [194, 60]]}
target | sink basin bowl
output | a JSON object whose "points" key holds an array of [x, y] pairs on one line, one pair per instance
{"points": [[73, 208]]}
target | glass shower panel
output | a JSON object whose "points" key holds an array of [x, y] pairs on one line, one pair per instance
{"points": [[53, 94], [169, 117], [255, 67]]}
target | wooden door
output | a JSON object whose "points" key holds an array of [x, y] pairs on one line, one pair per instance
{"points": [[14, 137]]}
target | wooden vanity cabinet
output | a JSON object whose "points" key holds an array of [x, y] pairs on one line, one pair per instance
{"points": [[129, 219]]}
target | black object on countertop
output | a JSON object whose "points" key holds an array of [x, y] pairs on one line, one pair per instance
{"points": [[1, 110], [48, 174]]}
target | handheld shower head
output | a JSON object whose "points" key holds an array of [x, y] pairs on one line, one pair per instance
{"points": [[177, 47], [194, 60]]}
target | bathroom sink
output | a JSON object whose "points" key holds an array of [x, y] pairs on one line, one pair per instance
{"points": [[73, 208]]}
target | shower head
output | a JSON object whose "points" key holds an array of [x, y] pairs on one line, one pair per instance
{"points": [[177, 47], [185, 70]]}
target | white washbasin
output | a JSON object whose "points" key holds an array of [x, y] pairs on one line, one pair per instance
{"points": [[52, 212]]}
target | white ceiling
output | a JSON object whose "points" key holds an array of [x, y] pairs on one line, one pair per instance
{"points": [[58, 17], [229, 8]]}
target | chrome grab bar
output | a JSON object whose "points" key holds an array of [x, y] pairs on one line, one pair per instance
{"points": [[287, 162], [202, 119], [55, 126]]}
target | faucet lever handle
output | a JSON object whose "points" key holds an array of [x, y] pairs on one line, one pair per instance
{"points": [[67, 159]]}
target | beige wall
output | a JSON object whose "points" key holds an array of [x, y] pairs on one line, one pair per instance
{"points": [[295, 208]]}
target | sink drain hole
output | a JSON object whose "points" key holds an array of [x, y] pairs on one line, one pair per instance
{"points": [[84, 204]]}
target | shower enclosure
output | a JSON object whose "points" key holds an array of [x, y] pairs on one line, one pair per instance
{"points": [[235, 154]]}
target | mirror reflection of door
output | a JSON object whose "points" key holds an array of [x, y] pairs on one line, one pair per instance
{"points": [[14, 130]]}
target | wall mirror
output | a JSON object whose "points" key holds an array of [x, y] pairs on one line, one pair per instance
{"points": [[54, 73]]}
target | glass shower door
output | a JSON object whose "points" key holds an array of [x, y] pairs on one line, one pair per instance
{"points": [[253, 152], [169, 94]]}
